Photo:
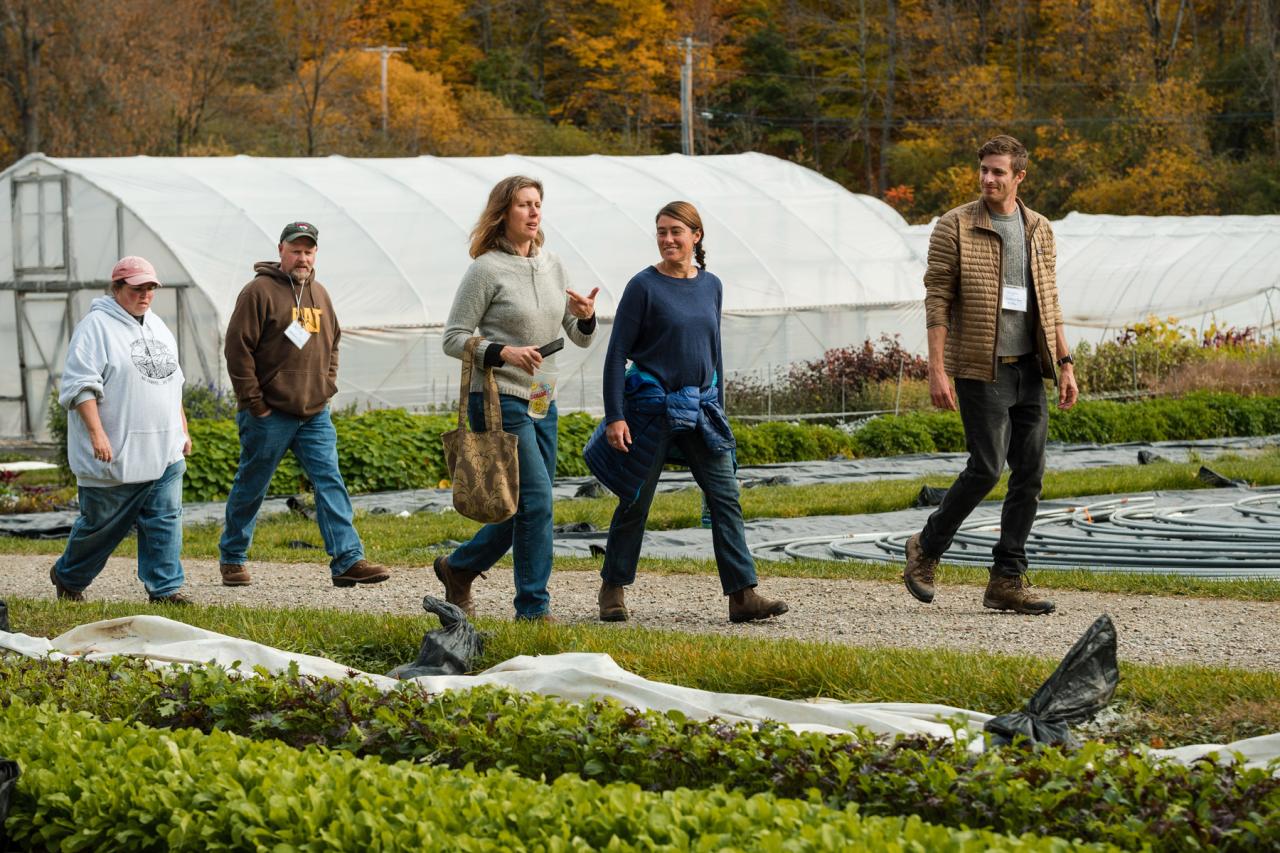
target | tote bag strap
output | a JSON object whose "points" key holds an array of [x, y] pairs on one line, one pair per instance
{"points": [[492, 407]]}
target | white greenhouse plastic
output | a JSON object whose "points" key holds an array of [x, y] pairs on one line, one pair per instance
{"points": [[1114, 271], [806, 264]]}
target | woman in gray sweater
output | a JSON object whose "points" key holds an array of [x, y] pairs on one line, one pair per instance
{"points": [[515, 296]]}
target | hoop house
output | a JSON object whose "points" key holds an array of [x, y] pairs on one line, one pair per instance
{"points": [[806, 264]]}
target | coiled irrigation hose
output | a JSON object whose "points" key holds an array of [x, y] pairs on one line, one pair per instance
{"points": [[1125, 535]]}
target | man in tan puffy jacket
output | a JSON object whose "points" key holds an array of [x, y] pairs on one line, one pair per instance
{"points": [[991, 302]]}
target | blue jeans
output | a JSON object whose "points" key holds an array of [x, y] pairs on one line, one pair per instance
{"points": [[313, 440], [107, 514], [714, 473], [527, 533]]}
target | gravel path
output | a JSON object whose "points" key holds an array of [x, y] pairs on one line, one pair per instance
{"points": [[1152, 629]]}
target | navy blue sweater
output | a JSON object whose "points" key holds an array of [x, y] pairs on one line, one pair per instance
{"points": [[669, 327]]}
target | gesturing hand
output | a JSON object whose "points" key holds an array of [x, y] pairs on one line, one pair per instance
{"points": [[582, 307]]}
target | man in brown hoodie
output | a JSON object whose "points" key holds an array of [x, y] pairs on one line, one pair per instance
{"points": [[282, 356]]}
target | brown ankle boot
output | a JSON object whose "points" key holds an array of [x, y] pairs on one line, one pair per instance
{"points": [[747, 605], [919, 573], [362, 571], [612, 601], [1014, 593], [234, 574], [457, 586]]}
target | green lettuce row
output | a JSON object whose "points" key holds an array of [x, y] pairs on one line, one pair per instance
{"points": [[87, 784], [1096, 794], [390, 449]]}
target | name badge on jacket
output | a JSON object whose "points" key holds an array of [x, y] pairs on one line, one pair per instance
{"points": [[1014, 299], [299, 336]]}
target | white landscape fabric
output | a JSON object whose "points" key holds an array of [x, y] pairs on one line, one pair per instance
{"points": [[570, 676]]}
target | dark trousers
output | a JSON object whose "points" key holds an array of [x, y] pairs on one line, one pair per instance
{"points": [[1007, 419], [714, 473]]}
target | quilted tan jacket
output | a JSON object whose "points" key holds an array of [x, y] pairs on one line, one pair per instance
{"points": [[962, 289]]}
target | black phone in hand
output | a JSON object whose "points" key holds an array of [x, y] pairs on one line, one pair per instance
{"points": [[551, 348]]}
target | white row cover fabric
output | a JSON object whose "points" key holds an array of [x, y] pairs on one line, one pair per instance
{"points": [[572, 676]]}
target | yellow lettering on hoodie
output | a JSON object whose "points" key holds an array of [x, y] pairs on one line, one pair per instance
{"points": [[309, 318]]}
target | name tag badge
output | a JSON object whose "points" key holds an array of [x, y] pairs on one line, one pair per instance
{"points": [[299, 336], [1014, 299]]}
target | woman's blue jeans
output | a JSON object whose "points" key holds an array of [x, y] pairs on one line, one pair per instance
{"points": [[528, 533], [714, 473], [109, 513], [313, 440]]}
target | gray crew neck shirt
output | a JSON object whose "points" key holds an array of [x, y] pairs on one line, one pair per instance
{"points": [[1015, 326]]}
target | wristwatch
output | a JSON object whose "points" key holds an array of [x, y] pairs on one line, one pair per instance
{"points": [[1065, 360]]}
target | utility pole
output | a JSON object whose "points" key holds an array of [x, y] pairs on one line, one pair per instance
{"points": [[686, 93], [384, 51]]}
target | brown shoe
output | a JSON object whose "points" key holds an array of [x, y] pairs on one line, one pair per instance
{"points": [[362, 571], [919, 573], [612, 601], [457, 585], [234, 574], [172, 598], [1014, 593], [746, 605], [545, 618], [65, 593]]}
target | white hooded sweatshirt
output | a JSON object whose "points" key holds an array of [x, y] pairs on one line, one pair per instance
{"points": [[132, 369]]}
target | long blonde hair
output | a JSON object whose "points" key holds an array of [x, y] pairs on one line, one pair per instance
{"points": [[490, 231]]}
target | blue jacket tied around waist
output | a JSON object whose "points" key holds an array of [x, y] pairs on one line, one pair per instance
{"points": [[651, 413]]}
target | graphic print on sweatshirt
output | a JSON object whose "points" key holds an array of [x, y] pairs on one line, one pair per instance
{"points": [[154, 360], [309, 318]]}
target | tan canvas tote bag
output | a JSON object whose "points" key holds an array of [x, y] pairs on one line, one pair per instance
{"points": [[483, 466]]}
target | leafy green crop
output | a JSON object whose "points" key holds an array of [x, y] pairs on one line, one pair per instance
{"points": [[87, 784], [1098, 794]]}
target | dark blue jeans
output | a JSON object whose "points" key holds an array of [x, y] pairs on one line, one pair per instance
{"points": [[714, 473], [527, 534], [1004, 419], [313, 440], [108, 514]]}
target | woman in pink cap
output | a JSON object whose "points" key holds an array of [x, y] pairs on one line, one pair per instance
{"points": [[126, 438]]}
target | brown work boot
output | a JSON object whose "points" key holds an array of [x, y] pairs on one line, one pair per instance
{"points": [[919, 573], [65, 593], [746, 605], [234, 574], [457, 585], [612, 601], [545, 618], [179, 598], [362, 571], [1014, 593]]}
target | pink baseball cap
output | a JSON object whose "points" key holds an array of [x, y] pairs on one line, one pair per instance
{"points": [[134, 270]]}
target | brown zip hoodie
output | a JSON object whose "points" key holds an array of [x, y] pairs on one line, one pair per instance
{"points": [[267, 371]]}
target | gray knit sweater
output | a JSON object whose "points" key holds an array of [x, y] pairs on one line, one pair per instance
{"points": [[511, 300]]}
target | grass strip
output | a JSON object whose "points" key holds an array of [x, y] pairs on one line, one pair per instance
{"points": [[1097, 794], [124, 786], [1176, 704]]}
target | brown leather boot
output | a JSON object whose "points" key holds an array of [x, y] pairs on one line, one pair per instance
{"points": [[457, 585], [64, 592], [612, 601], [179, 598], [362, 571], [234, 574], [746, 605], [1014, 593], [919, 573]]}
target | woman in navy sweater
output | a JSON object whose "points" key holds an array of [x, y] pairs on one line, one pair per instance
{"points": [[670, 404]]}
